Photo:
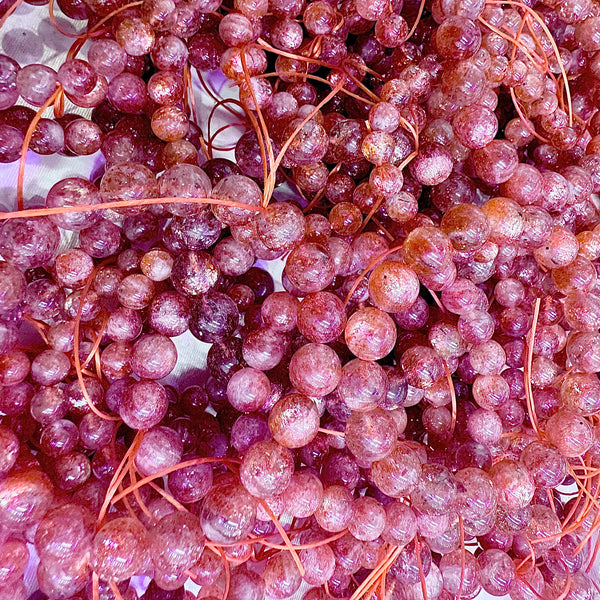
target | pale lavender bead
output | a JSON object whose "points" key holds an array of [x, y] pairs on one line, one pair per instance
{"points": [[77, 77], [154, 356], [74, 191], [48, 137], [9, 93], [29, 243], [127, 92], [36, 83], [12, 287], [11, 143], [169, 53], [144, 404], [107, 57], [161, 448], [50, 367]]}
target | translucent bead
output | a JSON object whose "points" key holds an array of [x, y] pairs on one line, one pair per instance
{"points": [[58, 438], [264, 349], [144, 404], [397, 474], [194, 273], [337, 509], [315, 370], [485, 427], [281, 576], [127, 92], [11, 143], [107, 57], [64, 535], [514, 484], [432, 166], [370, 334], [477, 495], [371, 435], [422, 366], [161, 448], [458, 38], [9, 94], [36, 83], [369, 519], [190, 484], [496, 162], [120, 549], [400, 524], [466, 226], [318, 563], [77, 77], [505, 219], [247, 584], [14, 367], [280, 311], [29, 243], [497, 571], [14, 557], [569, 432], [24, 498], [266, 469], [240, 189], [170, 124], [228, 513], [405, 570], [294, 420], [580, 392], [248, 389], [304, 494], [436, 490], [310, 268], [321, 317], [176, 542], [393, 287], [475, 126], [48, 404], [101, 239], [135, 36], [281, 225], [559, 250], [363, 385]]}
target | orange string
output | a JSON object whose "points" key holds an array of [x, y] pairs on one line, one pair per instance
{"points": [[95, 586], [555, 49], [269, 190], [166, 471], [373, 577], [115, 590], [119, 475], [262, 132], [95, 30], [527, 370], [57, 25], [26, 142], [283, 533], [97, 343], [462, 556], [417, 20], [61, 210], [331, 432], [420, 565], [76, 357], [371, 265]]}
